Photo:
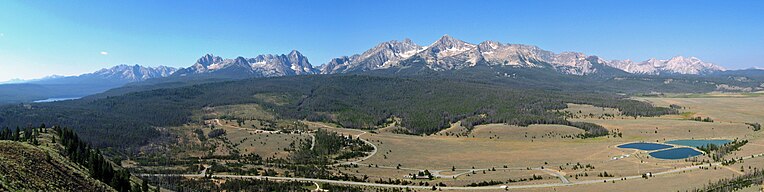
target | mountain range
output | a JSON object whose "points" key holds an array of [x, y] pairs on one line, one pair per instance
{"points": [[268, 65], [448, 53], [81, 85], [119, 74], [445, 54]]}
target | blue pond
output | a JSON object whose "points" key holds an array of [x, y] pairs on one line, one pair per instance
{"points": [[645, 146], [676, 153], [699, 143]]}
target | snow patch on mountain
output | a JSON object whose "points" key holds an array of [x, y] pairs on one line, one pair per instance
{"points": [[267, 65], [449, 53], [132, 73], [675, 65]]}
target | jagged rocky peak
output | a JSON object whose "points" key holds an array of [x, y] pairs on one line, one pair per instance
{"points": [[448, 45], [448, 41], [675, 65], [383, 55], [209, 59], [267, 65], [460, 54], [293, 63], [336, 65], [449, 53], [241, 60], [394, 46], [691, 65], [300, 63], [570, 59], [132, 73], [489, 46], [496, 53]]}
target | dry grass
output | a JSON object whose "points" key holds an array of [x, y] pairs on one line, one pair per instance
{"points": [[244, 111], [26, 167], [496, 145], [672, 182], [265, 144], [550, 146], [579, 109], [728, 109]]}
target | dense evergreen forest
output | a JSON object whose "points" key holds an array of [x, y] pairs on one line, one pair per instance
{"points": [[425, 105], [100, 168], [327, 144]]}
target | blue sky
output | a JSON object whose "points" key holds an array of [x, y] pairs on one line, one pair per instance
{"points": [[39, 38]]}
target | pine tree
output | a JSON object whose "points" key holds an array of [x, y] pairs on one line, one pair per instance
{"points": [[6, 134], [145, 185], [17, 134]]}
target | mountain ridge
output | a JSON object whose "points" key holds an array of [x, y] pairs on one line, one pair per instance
{"points": [[399, 56], [448, 53], [118, 73], [80, 85], [265, 65]]}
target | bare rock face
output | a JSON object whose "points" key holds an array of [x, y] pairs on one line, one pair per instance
{"points": [[267, 65], [676, 65], [131, 73], [448, 53], [384, 55]]}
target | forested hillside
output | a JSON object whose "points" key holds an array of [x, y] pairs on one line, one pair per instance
{"points": [[40, 159], [547, 79], [425, 105]]}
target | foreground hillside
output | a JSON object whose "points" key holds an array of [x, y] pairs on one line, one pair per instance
{"points": [[41, 168]]}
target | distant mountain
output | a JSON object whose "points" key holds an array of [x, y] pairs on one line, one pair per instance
{"points": [[491, 61], [268, 65], [210, 68], [81, 85], [15, 80], [676, 65], [449, 53], [117, 74]]}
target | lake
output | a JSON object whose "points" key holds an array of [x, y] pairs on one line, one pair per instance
{"points": [[676, 153], [645, 146], [699, 142], [56, 99]]}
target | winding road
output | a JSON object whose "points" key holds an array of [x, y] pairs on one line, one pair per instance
{"points": [[678, 170], [373, 152], [563, 180], [357, 136]]}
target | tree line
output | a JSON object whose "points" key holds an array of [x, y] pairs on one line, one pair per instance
{"points": [[99, 168], [27, 135], [755, 177]]}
